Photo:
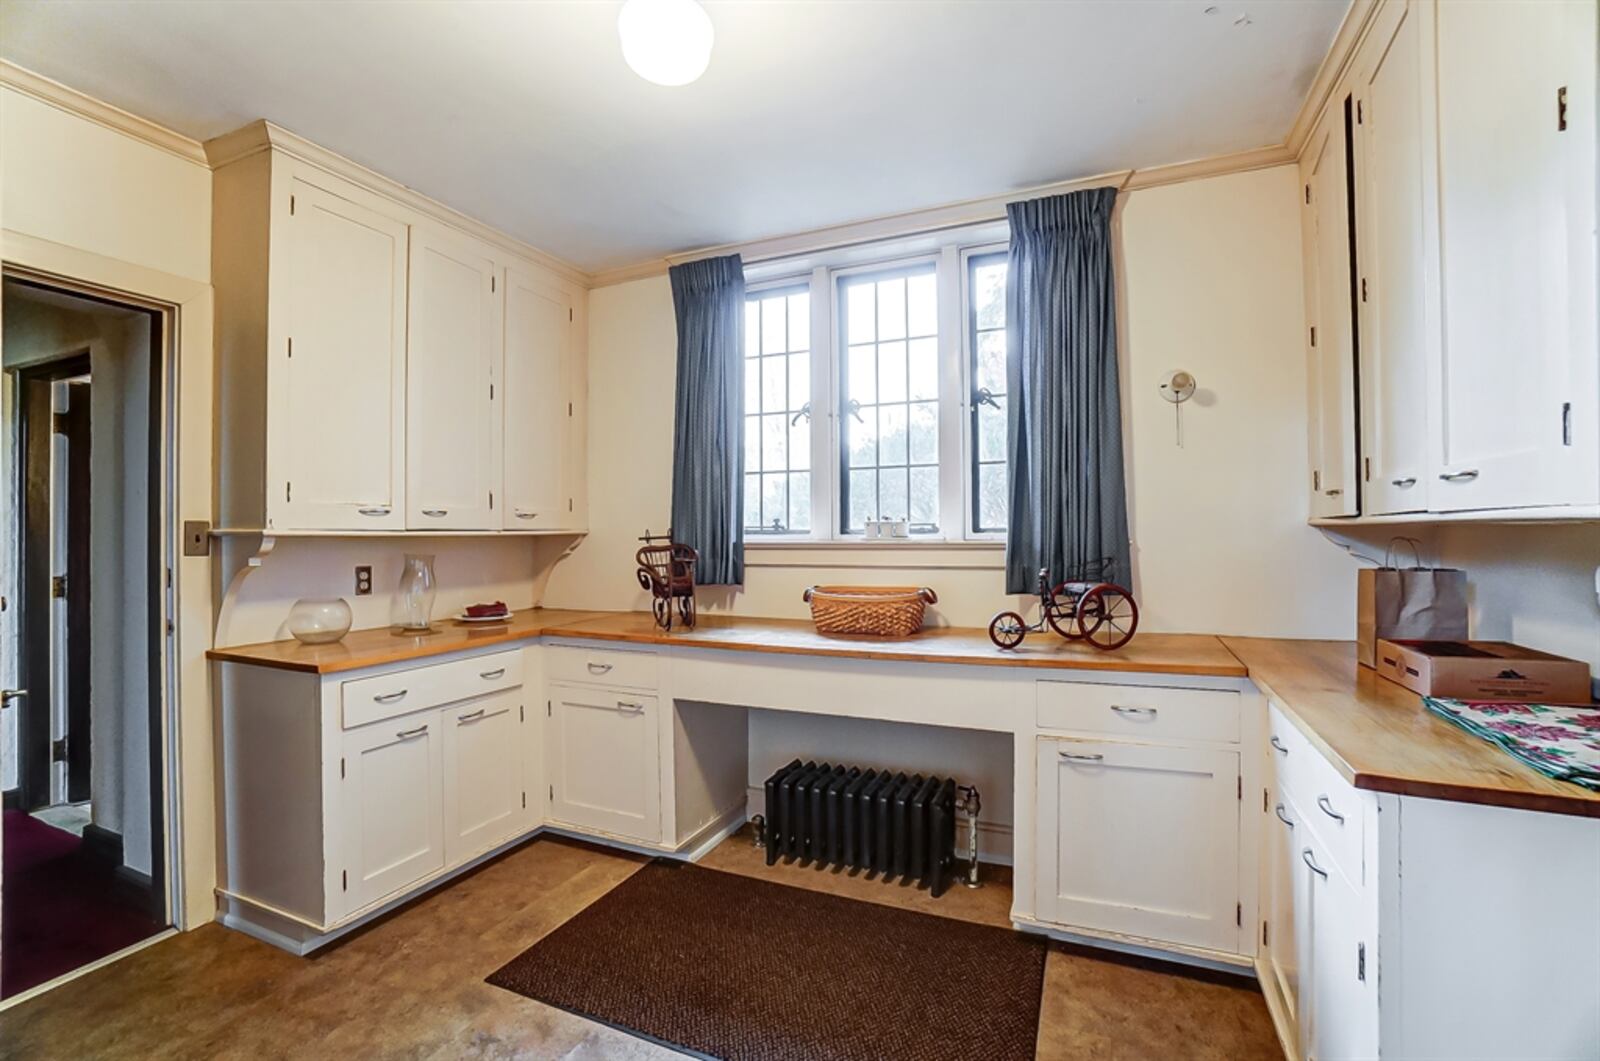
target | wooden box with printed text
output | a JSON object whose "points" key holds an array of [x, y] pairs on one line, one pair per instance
{"points": [[1484, 670]]}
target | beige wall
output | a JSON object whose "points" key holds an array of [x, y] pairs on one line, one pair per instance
{"points": [[1211, 284]]}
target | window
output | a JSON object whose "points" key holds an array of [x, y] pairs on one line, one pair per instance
{"points": [[986, 341], [907, 389], [889, 400], [777, 408]]}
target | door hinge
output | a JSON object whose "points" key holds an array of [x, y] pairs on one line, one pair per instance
{"points": [[569, 504], [1316, 480], [1263, 801], [288, 491], [491, 285], [344, 880], [291, 206], [1363, 289], [1359, 112], [524, 801], [522, 713], [1266, 935], [547, 713], [1366, 465], [1361, 961], [1308, 195], [1566, 423], [1313, 335], [58, 750], [291, 346], [1240, 779], [552, 793], [341, 767], [569, 408], [58, 587], [491, 392], [569, 314], [1561, 109], [491, 500], [1238, 914]]}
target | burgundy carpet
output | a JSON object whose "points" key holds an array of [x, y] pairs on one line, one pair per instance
{"points": [[729, 966], [60, 911]]}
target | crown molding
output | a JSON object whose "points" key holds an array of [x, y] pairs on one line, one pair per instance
{"points": [[262, 135], [1357, 17], [101, 113]]}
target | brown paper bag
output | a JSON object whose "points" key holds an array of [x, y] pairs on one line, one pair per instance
{"points": [[1414, 603]]}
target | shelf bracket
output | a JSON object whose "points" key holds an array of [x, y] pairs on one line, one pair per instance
{"points": [[231, 550]]}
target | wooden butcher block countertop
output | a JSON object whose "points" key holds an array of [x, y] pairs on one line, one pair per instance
{"points": [[1379, 736]]}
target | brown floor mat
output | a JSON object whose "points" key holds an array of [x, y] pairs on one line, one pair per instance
{"points": [[744, 969]]}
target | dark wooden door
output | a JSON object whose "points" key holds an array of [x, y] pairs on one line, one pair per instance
{"points": [[74, 426]]}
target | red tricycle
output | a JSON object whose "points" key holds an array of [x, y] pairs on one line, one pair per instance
{"points": [[1084, 607]]}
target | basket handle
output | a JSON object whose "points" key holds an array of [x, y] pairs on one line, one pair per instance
{"points": [[806, 596], [928, 595]]}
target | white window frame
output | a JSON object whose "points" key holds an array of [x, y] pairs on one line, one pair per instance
{"points": [[823, 274]]}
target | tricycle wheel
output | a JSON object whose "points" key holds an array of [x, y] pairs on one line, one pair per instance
{"points": [[1108, 616], [1007, 630], [1060, 609]]}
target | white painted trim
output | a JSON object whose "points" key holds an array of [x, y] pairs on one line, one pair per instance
{"points": [[84, 970], [1219, 961], [1357, 17], [923, 556], [713, 833], [1539, 514], [1278, 1010], [101, 113]]}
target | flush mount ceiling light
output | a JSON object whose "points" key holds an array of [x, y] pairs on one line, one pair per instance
{"points": [[667, 42]]}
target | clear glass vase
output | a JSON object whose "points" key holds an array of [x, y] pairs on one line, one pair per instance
{"points": [[319, 622], [413, 599]]}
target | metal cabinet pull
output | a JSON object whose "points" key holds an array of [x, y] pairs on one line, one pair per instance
{"points": [[1333, 493], [375, 511], [491, 675], [1466, 475], [8, 695], [1327, 808], [521, 514], [470, 717], [1140, 712], [1278, 744], [1407, 482], [630, 705], [599, 668], [1305, 856], [436, 512], [407, 734], [1082, 758], [1282, 817], [389, 698]]}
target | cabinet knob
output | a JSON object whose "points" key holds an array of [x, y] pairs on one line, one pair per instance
{"points": [[1466, 475]]}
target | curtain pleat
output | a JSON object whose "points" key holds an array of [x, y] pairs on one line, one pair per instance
{"points": [[1067, 497], [707, 448]]}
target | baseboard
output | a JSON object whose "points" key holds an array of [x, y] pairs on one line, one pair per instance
{"points": [[102, 846], [711, 834], [11, 799]]}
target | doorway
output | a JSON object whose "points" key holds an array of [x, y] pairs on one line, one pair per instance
{"points": [[82, 736]]}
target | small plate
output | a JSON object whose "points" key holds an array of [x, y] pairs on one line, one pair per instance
{"points": [[504, 617]]}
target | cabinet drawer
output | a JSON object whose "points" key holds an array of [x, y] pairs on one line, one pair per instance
{"points": [[1139, 711], [387, 695], [601, 666], [1328, 804]]}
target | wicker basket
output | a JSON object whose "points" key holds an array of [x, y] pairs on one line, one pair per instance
{"points": [[883, 611]]}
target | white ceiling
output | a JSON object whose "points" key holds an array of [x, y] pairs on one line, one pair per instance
{"points": [[525, 116]]}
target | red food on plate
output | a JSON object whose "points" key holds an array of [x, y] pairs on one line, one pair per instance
{"points": [[488, 611]]}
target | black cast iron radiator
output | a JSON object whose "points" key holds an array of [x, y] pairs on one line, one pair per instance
{"points": [[872, 820]]}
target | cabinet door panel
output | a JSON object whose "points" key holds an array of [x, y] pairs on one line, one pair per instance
{"points": [[1340, 1007], [1331, 332], [538, 366], [1279, 894], [483, 774], [1140, 840], [604, 762], [1398, 252], [393, 830], [452, 361], [1517, 229], [336, 431]]}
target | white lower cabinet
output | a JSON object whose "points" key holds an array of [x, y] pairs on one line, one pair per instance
{"points": [[1281, 902], [1340, 1013], [393, 823], [484, 795], [1140, 840], [604, 760]]}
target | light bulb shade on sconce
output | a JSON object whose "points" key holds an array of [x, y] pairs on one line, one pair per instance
{"points": [[666, 42]]}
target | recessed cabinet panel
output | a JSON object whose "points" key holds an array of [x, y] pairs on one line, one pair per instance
{"points": [[392, 789], [1140, 840], [335, 419], [1398, 261], [604, 761], [538, 358], [1278, 898], [1339, 1007], [482, 773], [452, 364], [1514, 412]]}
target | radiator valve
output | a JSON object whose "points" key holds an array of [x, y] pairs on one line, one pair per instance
{"points": [[969, 804], [758, 830]]}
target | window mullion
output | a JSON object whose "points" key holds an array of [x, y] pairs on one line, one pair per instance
{"points": [[952, 396], [825, 359]]}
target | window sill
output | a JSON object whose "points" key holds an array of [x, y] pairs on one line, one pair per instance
{"points": [[881, 553]]}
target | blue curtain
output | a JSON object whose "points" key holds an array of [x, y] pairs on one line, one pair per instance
{"points": [[707, 435], [1068, 503]]}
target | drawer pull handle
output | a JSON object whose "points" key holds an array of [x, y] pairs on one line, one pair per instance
{"points": [[1333, 493], [1404, 484], [1082, 758], [523, 514], [599, 668], [1278, 744], [491, 675], [1466, 475], [407, 734], [1305, 856], [1137, 712], [1282, 817], [1327, 808], [630, 705], [471, 717], [390, 698], [377, 511], [436, 512]]}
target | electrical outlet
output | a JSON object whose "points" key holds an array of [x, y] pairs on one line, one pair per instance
{"points": [[363, 580]]}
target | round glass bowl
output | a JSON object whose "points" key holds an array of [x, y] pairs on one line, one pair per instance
{"points": [[319, 622]]}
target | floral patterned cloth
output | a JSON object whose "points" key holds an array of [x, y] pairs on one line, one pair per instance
{"points": [[1560, 742]]}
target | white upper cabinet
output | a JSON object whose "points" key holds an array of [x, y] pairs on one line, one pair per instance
{"points": [[452, 367], [537, 403], [1330, 338], [1397, 258], [1515, 390], [336, 437]]}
